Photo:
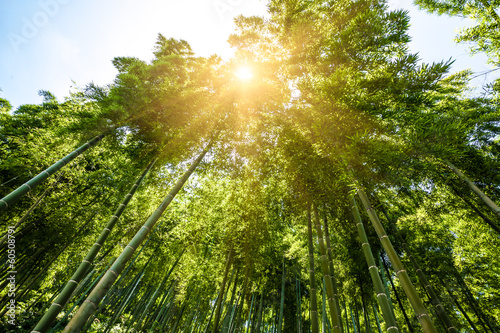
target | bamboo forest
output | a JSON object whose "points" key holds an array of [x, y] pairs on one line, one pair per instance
{"points": [[322, 179]]}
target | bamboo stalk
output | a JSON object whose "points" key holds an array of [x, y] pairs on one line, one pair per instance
{"points": [[28, 212], [334, 310], [282, 302], [56, 307], [383, 300], [17, 194], [475, 189], [396, 294], [222, 288], [312, 279], [95, 297], [401, 273], [332, 272]]}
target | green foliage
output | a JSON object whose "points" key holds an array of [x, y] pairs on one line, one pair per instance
{"points": [[335, 93]]}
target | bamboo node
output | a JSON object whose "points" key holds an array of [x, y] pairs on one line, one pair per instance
{"points": [[365, 244], [130, 247], [384, 236], [112, 271], [48, 174], [146, 228], [117, 217], [373, 266], [88, 262], [452, 328], [400, 271], [6, 204], [422, 315], [89, 301], [27, 185], [57, 304], [98, 244], [129, 195], [107, 229], [393, 328], [381, 294], [75, 282]]}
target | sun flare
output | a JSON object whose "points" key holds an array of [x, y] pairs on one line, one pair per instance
{"points": [[244, 73]]}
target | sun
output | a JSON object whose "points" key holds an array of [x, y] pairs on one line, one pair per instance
{"points": [[244, 73]]}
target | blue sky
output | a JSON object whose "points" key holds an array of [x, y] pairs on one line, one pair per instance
{"points": [[49, 44]]}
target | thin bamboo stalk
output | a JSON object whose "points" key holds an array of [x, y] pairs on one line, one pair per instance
{"points": [[382, 298], [396, 294], [156, 294], [401, 273], [95, 297], [459, 306], [229, 260], [312, 279], [332, 272], [250, 313], [17, 194], [56, 307], [299, 307], [334, 310], [282, 302], [28, 212], [475, 189], [375, 313]]}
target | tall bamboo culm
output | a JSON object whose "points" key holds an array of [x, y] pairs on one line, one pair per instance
{"points": [[436, 302], [98, 293], [80, 273], [475, 189], [312, 288], [332, 272], [334, 310], [218, 304], [18, 193], [384, 302], [411, 293]]}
